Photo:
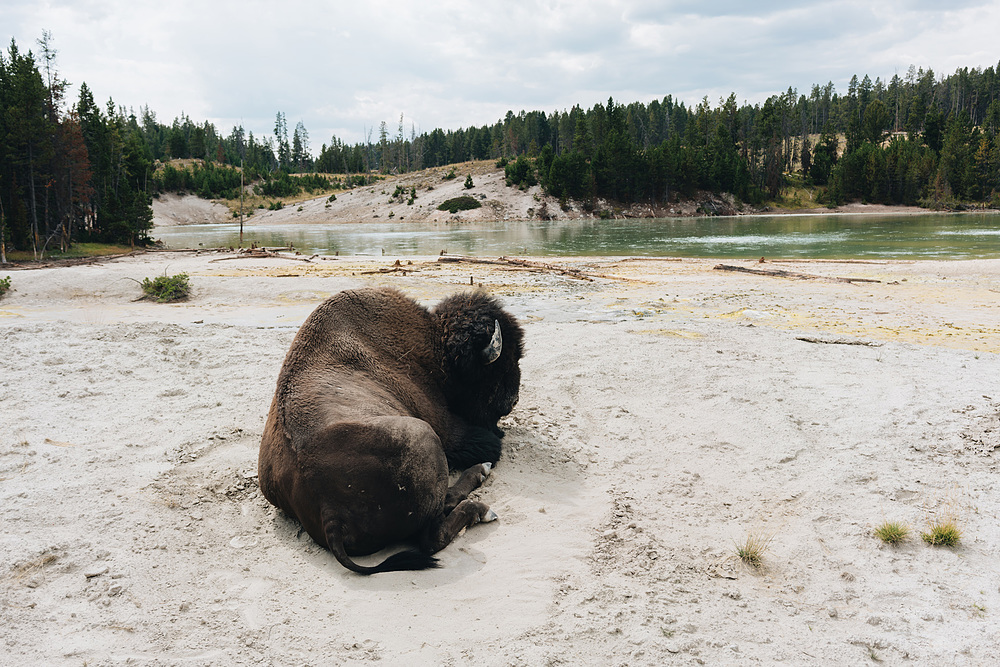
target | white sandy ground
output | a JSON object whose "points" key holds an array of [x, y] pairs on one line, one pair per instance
{"points": [[665, 413], [375, 203]]}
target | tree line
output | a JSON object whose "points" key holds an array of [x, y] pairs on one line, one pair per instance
{"points": [[84, 172], [66, 175]]}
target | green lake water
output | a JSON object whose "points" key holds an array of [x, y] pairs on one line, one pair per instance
{"points": [[923, 236]]}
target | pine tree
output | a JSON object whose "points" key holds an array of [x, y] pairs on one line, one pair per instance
{"points": [[805, 157], [281, 142]]}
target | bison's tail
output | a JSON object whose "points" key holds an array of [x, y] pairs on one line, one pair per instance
{"points": [[409, 559]]}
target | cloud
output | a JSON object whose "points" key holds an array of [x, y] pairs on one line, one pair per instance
{"points": [[345, 67]]}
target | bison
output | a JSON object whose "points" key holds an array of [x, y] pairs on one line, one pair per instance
{"points": [[377, 398]]}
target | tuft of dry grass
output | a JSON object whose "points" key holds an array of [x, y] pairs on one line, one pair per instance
{"points": [[753, 547], [943, 533], [942, 524], [30, 567], [892, 532]]}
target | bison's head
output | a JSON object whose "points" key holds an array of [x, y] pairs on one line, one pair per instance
{"points": [[482, 353]]}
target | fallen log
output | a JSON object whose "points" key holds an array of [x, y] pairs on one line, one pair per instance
{"points": [[838, 341], [781, 273], [395, 268], [520, 263], [266, 254]]}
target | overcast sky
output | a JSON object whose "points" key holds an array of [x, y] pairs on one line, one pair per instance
{"points": [[341, 67]]}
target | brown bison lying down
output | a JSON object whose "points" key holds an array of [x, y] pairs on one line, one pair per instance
{"points": [[378, 397]]}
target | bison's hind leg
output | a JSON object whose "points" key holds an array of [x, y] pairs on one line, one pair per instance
{"points": [[459, 511], [440, 534]]}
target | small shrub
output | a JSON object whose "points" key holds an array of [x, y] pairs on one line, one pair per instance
{"points": [[4, 286], [166, 288], [942, 534], [463, 203], [751, 550], [275, 206], [468, 182], [450, 175], [520, 173], [332, 198], [892, 532]]}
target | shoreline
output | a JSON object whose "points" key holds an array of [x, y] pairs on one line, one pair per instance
{"points": [[668, 411]]}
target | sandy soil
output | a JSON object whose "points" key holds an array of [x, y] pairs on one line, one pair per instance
{"points": [[376, 203], [667, 411], [172, 209]]}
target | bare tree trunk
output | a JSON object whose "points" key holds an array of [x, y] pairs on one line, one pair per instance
{"points": [[68, 229], [241, 203], [3, 230], [34, 208]]}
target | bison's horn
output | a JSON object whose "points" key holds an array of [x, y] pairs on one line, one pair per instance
{"points": [[492, 351]]}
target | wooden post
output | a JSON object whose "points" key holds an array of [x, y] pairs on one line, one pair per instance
{"points": [[241, 202]]}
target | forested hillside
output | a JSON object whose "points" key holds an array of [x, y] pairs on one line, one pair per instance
{"points": [[75, 170]]}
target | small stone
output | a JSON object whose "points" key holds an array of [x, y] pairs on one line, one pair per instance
{"points": [[95, 571]]}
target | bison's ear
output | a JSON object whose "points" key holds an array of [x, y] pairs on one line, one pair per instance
{"points": [[492, 351]]}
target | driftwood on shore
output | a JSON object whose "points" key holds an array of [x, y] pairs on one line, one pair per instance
{"points": [[781, 273], [838, 341], [519, 263], [74, 261], [258, 253], [397, 267], [530, 265]]}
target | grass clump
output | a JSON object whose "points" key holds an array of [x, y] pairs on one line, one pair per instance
{"points": [[456, 204], [752, 549], [892, 532], [166, 288], [945, 533], [75, 251], [4, 286]]}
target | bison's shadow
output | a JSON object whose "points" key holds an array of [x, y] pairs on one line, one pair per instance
{"points": [[535, 481]]}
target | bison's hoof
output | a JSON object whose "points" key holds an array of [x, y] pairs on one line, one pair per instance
{"points": [[486, 471], [490, 515]]}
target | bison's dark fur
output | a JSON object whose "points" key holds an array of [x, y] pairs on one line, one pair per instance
{"points": [[377, 398]]}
